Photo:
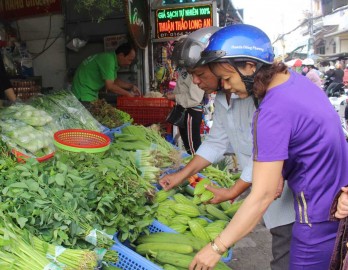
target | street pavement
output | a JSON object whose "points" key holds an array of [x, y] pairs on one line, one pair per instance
{"points": [[253, 252]]}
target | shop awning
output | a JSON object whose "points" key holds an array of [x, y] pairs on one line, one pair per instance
{"points": [[334, 57]]}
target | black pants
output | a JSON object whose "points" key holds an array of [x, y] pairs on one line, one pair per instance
{"points": [[190, 133], [281, 240]]}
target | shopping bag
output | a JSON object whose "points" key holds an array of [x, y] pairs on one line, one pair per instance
{"points": [[177, 116]]}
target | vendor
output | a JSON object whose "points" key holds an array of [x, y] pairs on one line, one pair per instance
{"points": [[6, 89], [101, 70]]}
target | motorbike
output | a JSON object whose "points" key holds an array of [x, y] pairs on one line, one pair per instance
{"points": [[333, 89]]}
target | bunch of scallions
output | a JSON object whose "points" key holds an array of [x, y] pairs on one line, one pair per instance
{"points": [[160, 153], [21, 250]]}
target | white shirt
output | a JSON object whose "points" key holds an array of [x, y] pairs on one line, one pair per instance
{"points": [[187, 94], [231, 132]]}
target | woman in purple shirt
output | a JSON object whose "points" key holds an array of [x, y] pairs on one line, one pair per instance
{"points": [[293, 139]]}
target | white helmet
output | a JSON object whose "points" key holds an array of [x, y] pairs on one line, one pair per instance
{"points": [[308, 62]]}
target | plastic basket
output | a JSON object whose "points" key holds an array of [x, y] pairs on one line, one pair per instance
{"points": [[130, 260], [143, 102], [146, 116], [81, 140], [110, 132], [23, 157]]}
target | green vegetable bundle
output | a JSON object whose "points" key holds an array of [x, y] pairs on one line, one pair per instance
{"points": [[28, 130], [137, 137], [66, 110], [105, 193], [27, 114], [108, 115]]}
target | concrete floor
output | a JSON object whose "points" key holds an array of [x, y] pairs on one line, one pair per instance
{"points": [[253, 252]]}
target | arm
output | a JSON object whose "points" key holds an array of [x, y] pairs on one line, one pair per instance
{"points": [[121, 87], [248, 215], [128, 86], [195, 165], [5, 82], [10, 94], [225, 194]]}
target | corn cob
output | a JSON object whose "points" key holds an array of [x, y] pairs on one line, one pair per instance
{"points": [[147, 248], [199, 188], [207, 195], [181, 198], [162, 195], [234, 208], [180, 228], [187, 210], [198, 230], [166, 237], [217, 213], [201, 221], [181, 260], [180, 219]]}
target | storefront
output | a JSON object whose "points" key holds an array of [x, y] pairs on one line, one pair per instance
{"points": [[57, 37]]}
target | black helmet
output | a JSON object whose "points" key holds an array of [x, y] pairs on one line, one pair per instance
{"points": [[187, 51]]}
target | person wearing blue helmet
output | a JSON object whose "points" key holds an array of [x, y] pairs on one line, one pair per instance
{"points": [[230, 133], [303, 143]]}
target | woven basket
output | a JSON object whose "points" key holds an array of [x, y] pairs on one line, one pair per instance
{"points": [[81, 140]]}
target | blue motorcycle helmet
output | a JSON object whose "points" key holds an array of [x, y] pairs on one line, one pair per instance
{"points": [[239, 43]]}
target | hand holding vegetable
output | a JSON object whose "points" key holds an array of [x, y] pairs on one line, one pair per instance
{"points": [[170, 181], [220, 194], [206, 258], [135, 90]]}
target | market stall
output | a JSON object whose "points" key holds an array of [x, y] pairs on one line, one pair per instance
{"points": [[74, 199]]}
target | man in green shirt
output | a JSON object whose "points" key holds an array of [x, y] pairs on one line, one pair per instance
{"points": [[101, 70]]}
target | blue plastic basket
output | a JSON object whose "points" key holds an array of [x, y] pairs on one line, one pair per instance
{"points": [[110, 132], [130, 260]]}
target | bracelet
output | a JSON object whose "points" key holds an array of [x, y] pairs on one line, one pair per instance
{"points": [[216, 248], [219, 238]]}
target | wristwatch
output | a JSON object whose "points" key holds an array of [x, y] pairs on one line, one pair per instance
{"points": [[216, 248]]}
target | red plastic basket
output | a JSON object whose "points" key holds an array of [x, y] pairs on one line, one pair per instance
{"points": [[81, 140], [143, 102], [23, 157], [149, 115]]}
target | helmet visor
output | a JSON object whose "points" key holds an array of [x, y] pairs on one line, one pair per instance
{"points": [[210, 56], [187, 54]]}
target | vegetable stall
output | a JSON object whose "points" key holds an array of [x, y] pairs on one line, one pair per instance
{"points": [[65, 209]]}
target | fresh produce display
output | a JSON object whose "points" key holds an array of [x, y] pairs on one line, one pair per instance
{"points": [[64, 258], [66, 110], [77, 200], [180, 260], [136, 137], [28, 130], [222, 177], [64, 213], [108, 115], [194, 179]]}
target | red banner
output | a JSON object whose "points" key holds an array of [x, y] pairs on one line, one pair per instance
{"points": [[16, 9]]}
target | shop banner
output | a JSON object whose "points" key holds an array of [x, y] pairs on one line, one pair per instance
{"points": [[16, 9], [173, 22], [137, 14]]}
